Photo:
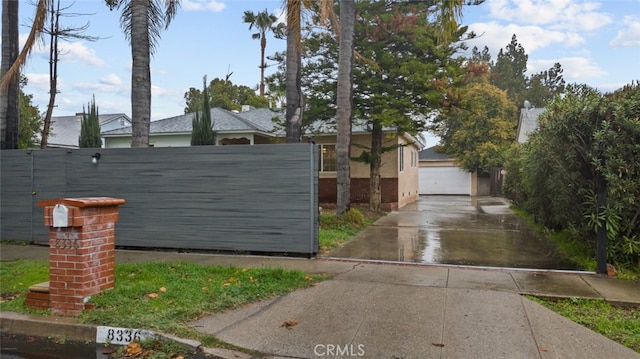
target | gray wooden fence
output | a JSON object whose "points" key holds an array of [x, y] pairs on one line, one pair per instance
{"points": [[261, 198]]}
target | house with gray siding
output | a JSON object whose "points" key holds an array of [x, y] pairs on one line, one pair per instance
{"points": [[251, 127], [527, 123], [65, 130]]}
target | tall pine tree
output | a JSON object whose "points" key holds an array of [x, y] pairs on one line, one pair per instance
{"points": [[90, 127], [509, 71], [202, 128]]}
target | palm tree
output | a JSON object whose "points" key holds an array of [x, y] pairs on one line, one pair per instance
{"points": [[11, 65], [9, 95], [141, 21], [39, 22], [295, 100], [295, 105], [263, 22], [344, 103]]}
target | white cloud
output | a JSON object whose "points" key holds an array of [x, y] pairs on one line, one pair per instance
{"points": [[113, 106], [77, 52], [96, 87], [281, 14], [171, 95], [630, 35], [39, 82], [159, 91], [561, 14], [496, 36], [576, 69], [200, 5], [111, 80]]}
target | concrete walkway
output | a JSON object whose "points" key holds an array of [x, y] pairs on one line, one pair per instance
{"points": [[386, 310]]}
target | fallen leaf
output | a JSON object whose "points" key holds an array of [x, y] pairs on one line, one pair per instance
{"points": [[439, 345], [289, 323], [205, 288], [308, 277], [226, 284], [134, 348], [152, 295], [542, 349], [163, 289], [178, 357]]}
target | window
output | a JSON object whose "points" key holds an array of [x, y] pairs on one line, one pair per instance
{"points": [[401, 159], [327, 158]]}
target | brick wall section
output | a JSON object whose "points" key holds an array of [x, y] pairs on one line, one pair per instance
{"points": [[38, 296], [359, 192], [82, 255]]}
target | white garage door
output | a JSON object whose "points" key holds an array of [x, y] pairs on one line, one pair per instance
{"points": [[444, 180]]}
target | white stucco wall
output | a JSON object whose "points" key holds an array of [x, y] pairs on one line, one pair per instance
{"points": [[181, 140]]}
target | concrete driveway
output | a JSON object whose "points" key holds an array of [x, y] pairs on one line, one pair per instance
{"points": [[458, 230]]}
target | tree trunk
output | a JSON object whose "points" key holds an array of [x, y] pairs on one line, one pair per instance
{"points": [[263, 46], [344, 102], [9, 106], [140, 73], [293, 73], [375, 194], [53, 75]]}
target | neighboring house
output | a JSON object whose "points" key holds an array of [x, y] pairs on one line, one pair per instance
{"points": [[440, 175], [399, 170], [527, 123], [251, 127], [65, 130]]}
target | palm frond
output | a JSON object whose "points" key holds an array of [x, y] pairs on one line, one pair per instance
{"points": [[36, 31]]}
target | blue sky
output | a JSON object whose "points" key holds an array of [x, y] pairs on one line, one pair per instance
{"points": [[597, 43]]}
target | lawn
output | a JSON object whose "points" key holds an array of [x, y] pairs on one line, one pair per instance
{"points": [[161, 296]]}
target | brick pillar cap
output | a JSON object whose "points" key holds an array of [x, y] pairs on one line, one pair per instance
{"points": [[83, 202]]}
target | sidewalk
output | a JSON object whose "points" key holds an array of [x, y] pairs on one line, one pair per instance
{"points": [[388, 310]]}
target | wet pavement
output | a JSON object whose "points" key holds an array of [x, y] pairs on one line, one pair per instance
{"points": [[386, 310], [19, 346], [457, 230]]}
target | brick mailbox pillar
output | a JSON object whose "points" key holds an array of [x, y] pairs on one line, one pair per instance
{"points": [[81, 249]]}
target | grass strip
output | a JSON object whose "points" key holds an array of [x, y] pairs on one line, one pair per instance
{"points": [[618, 323]]}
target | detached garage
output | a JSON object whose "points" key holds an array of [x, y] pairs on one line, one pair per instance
{"points": [[439, 175]]}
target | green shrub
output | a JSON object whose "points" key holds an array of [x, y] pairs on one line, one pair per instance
{"points": [[580, 137], [353, 217]]}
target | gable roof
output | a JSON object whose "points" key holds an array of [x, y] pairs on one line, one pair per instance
{"points": [[65, 130], [256, 120], [527, 123], [259, 120], [432, 154]]}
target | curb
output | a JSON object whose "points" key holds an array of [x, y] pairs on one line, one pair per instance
{"points": [[69, 328], [46, 326]]}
